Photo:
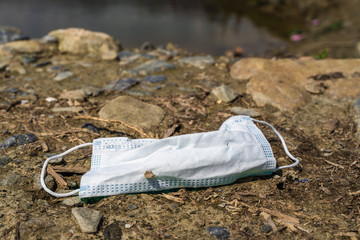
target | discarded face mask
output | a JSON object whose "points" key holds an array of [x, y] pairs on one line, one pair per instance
{"points": [[122, 165]]}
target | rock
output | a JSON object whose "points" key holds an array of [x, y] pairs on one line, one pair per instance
{"points": [[357, 117], [17, 140], [49, 181], [132, 111], [42, 64], [88, 219], [29, 59], [9, 34], [10, 180], [4, 160], [220, 233], [112, 232], [155, 79], [122, 84], [266, 228], [93, 91], [135, 93], [283, 83], [198, 61], [67, 109], [55, 68], [49, 39], [72, 201], [91, 127], [245, 111], [28, 46], [132, 207], [224, 93], [124, 54], [152, 66], [56, 161], [17, 67], [78, 94], [50, 99], [146, 46], [84, 42], [12, 90], [63, 75], [130, 59]]}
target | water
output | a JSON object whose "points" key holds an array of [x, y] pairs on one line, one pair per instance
{"points": [[197, 25]]}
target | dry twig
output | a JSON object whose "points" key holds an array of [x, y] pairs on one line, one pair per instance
{"points": [[56, 176], [77, 170], [142, 133]]}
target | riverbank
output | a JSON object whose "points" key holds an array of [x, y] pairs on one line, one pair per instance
{"points": [[73, 86]]}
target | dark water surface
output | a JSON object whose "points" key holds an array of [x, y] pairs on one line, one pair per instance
{"points": [[197, 25]]}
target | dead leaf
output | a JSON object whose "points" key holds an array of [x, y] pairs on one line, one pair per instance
{"points": [[149, 174]]}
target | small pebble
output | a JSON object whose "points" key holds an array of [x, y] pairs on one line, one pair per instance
{"points": [[266, 228], [4, 160], [56, 161], [112, 232], [220, 233], [50, 99], [132, 206], [155, 79], [63, 75]]}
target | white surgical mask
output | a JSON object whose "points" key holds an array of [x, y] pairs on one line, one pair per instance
{"points": [[122, 165]]}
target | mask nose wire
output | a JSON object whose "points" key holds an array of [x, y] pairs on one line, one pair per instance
{"points": [[43, 171], [296, 161]]}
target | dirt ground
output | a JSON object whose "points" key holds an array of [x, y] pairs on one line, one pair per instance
{"points": [[317, 200]]}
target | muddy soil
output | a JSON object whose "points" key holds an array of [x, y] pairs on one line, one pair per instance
{"points": [[317, 200]]}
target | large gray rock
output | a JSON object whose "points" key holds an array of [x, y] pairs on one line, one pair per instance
{"points": [[84, 42], [284, 83], [88, 219], [133, 112]]}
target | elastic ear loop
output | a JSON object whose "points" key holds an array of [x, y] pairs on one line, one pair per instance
{"points": [[43, 172], [296, 161]]}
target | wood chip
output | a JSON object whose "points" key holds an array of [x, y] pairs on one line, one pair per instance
{"points": [[57, 177], [172, 198], [281, 216], [268, 220]]}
